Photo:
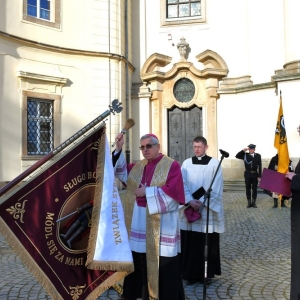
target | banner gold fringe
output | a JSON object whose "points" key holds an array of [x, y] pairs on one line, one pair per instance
{"points": [[112, 266], [28, 261], [111, 281]]}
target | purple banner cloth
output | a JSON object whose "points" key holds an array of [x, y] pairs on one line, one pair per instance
{"points": [[29, 221], [275, 182]]}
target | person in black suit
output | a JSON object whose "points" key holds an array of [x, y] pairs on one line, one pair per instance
{"points": [[252, 173], [295, 232]]}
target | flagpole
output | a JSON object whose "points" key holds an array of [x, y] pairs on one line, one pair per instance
{"points": [[114, 107]]}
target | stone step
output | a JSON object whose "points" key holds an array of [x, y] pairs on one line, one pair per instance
{"points": [[237, 185]]}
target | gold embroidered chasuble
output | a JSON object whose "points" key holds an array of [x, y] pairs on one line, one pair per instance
{"points": [[153, 221]]}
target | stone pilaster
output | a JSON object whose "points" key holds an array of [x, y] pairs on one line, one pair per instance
{"points": [[211, 106]]}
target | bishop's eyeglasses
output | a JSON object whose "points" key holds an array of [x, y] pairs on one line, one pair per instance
{"points": [[148, 146]]}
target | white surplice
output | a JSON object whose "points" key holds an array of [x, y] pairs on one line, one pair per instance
{"points": [[194, 177], [157, 202]]}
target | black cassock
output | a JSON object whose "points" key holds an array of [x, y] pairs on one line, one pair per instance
{"points": [[295, 236]]}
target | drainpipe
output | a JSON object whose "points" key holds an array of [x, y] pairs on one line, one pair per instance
{"points": [[127, 81]]}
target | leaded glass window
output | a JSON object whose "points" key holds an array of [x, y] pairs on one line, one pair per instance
{"points": [[40, 133], [184, 90], [183, 8]]}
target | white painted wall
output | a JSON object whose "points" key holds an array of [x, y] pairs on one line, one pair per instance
{"points": [[248, 35], [84, 25], [248, 118], [93, 81]]}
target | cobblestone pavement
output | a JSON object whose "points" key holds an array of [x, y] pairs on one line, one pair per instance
{"points": [[255, 258]]}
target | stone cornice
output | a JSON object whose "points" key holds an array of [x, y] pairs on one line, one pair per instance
{"points": [[27, 75], [278, 78], [62, 50], [155, 60], [153, 76], [214, 73], [213, 59], [291, 71], [249, 88]]}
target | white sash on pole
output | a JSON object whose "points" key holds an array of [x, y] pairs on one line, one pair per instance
{"points": [[109, 244]]}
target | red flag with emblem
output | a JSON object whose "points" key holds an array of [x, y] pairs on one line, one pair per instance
{"points": [[47, 220]]}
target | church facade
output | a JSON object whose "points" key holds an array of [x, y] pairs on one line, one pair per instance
{"points": [[180, 69]]}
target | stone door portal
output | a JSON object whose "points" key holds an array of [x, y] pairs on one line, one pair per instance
{"points": [[183, 126]]}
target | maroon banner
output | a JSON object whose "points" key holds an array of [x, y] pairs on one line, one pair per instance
{"points": [[55, 252]]}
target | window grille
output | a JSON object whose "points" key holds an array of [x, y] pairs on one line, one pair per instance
{"points": [[40, 133], [184, 90], [183, 8]]}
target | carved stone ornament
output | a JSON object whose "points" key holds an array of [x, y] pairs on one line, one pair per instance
{"points": [[182, 48]]}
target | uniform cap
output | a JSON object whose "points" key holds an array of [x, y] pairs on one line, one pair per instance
{"points": [[252, 146]]}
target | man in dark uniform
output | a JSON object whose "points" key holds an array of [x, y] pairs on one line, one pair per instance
{"points": [[252, 173]]}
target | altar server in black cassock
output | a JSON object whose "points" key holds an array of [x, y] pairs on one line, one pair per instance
{"points": [[197, 173]]}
